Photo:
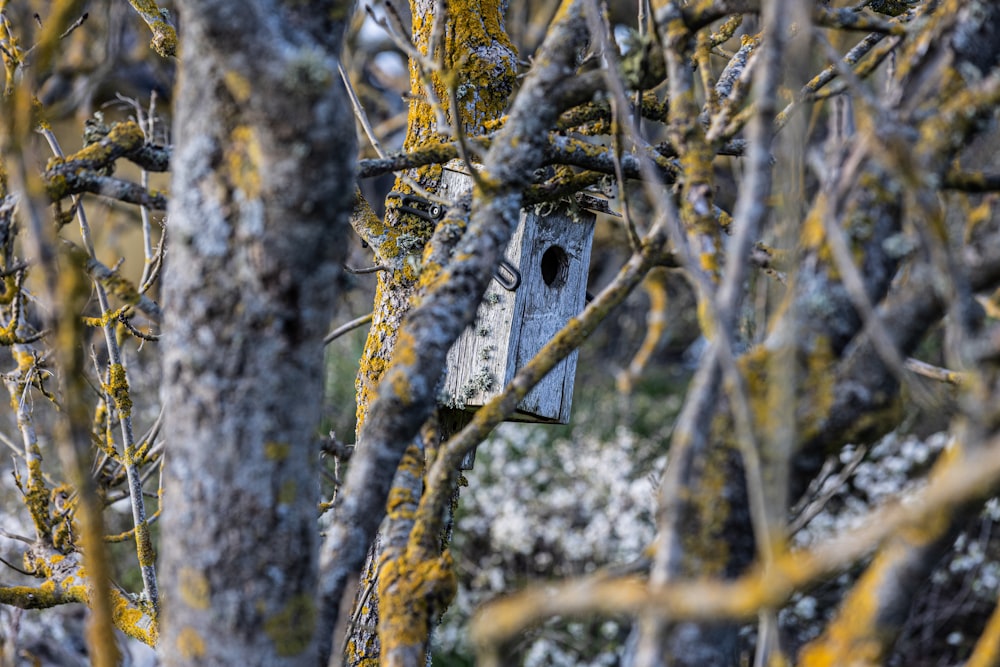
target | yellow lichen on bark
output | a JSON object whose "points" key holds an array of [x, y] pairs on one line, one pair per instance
{"points": [[276, 451], [471, 74], [478, 62], [292, 627], [66, 581], [987, 650], [237, 85], [859, 634], [705, 551], [412, 594], [817, 390], [194, 588], [813, 234], [126, 136], [164, 36], [37, 496], [190, 643], [813, 374], [133, 621], [117, 388], [855, 636], [243, 161]]}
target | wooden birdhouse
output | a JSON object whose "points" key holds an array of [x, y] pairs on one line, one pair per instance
{"points": [[539, 286]]}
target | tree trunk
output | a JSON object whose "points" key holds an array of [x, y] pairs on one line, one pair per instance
{"points": [[483, 85], [261, 188]]}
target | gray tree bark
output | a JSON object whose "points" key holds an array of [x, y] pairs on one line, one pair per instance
{"points": [[261, 189]]}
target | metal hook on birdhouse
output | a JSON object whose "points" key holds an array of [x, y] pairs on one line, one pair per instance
{"points": [[506, 274]]}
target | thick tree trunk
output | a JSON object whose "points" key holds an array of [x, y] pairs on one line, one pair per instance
{"points": [[262, 185], [478, 53]]}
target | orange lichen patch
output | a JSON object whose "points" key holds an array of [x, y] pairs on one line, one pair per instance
{"points": [[563, 11], [755, 366], [133, 621], [363, 648], [401, 502], [817, 388], [481, 85], [406, 349], [401, 386], [375, 358], [987, 650], [35, 597], [813, 232], [9, 285], [978, 216], [479, 68], [432, 275], [37, 497], [66, 581], [814, 384], [121, 288], [858, 634], [144, 546], [709, 262]]}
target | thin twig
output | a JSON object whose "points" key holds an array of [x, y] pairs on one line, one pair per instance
{"points": [[829, 489], [345, 328], [139, 517], [599, 30], [935, 372], [16, 568], [367, 269], [359, 113]]}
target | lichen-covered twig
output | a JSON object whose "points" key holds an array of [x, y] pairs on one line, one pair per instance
{"points": [[117, 386], [66, 581], [164, 34], [88, 169]]}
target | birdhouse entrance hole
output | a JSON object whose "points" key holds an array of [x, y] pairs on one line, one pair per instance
{"points": [[555, 266]]}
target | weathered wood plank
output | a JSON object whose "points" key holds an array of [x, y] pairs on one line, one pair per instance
{"points": [[551, 253]]}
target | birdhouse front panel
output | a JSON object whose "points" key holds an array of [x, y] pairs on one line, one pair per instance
{"points": [[555, 263], [538, 287]]}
